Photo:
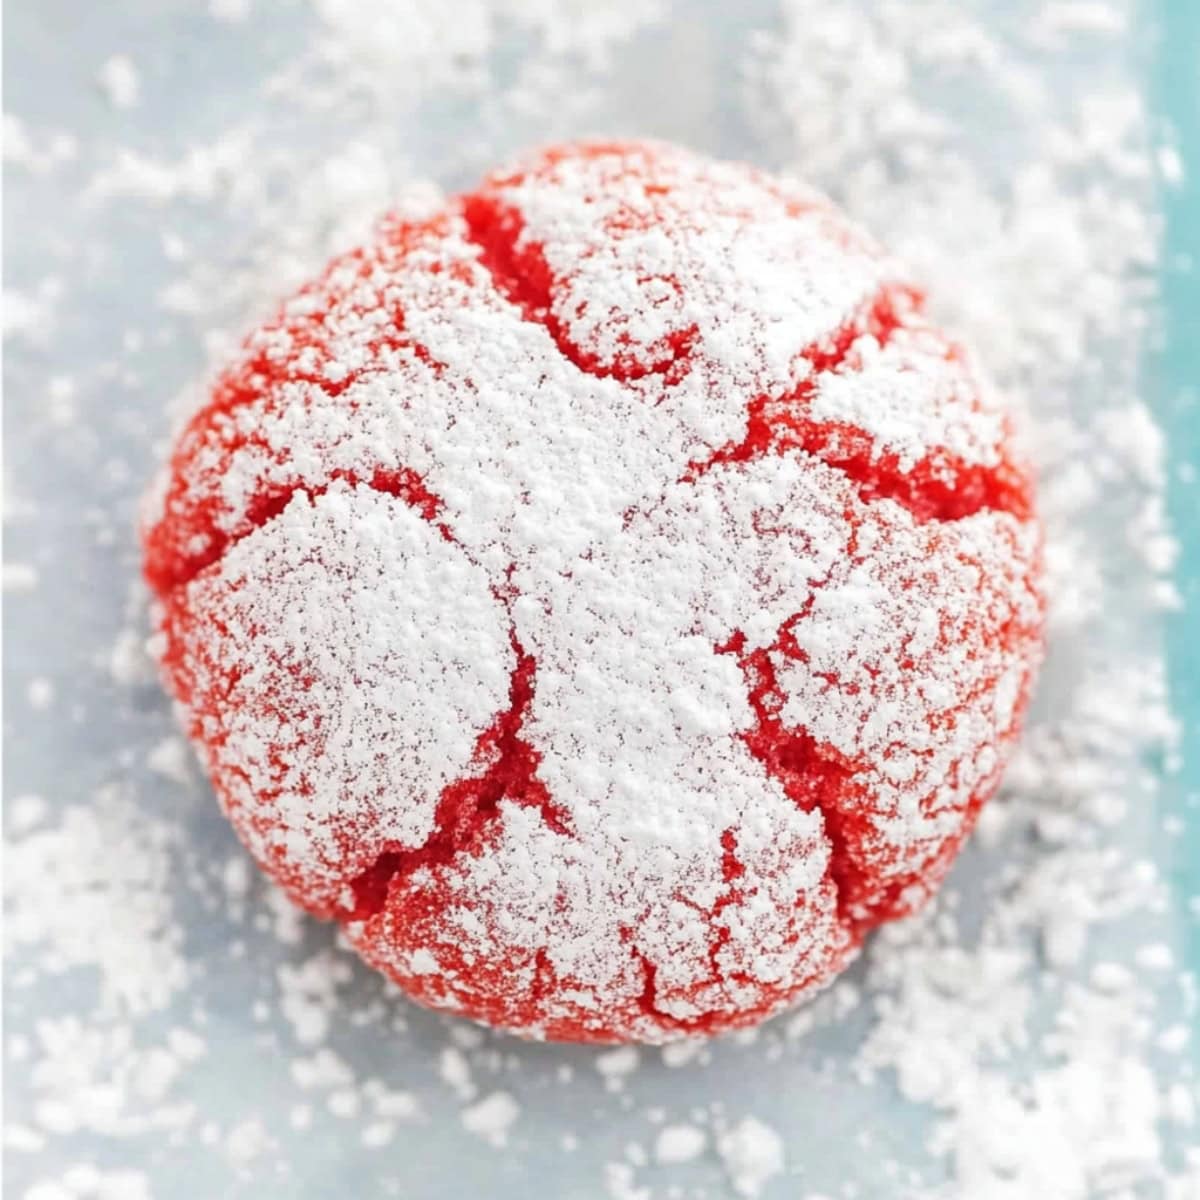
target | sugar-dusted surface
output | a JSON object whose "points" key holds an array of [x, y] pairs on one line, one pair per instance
{"points": [[247, 1054], [552, 602]]}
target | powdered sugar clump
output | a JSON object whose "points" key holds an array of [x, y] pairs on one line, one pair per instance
{"points": [[51, 885], [679, 1144], [120, 82], [753, 1155], [492, 1117]]}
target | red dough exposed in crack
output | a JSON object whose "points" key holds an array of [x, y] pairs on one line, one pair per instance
{"points": [[609, 597]]}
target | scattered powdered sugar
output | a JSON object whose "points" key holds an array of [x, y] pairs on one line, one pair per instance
{"points": [[492, 1117], [29, 316], [88, 1182], [19, 577], [38, 154], [54, 877], [40, 693], [204, 173], [172, 758], [615, 1065], [955, 1014], [752, 1152], [120, 81], [1035, 1020], [679, 1144]]}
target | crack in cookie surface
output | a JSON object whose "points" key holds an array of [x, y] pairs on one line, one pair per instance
{"points": [[468, 809]]}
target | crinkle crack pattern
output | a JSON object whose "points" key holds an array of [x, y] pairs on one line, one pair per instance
{"points": [[609, 598]]}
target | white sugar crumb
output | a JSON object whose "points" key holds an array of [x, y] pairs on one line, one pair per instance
{"points": [[171, 758], [622, 1061], [230, 12], [492, 1118], [345, 1104], [308, 995], [235, 876], [203, 174], [1111, 977], [1170, 165], [467, 1037], [37, 153], [752, 1153], [19, 577], [120, 82], [22, 1139], [26, 811], [1180, 1105], [30, 316], [679, 1144], [1155, 956], [1173, 1039], [321, 1071], [620, 1183], [1080, 16], [247, 1141], [455, 1071], [1063, 939], [186, 1045], [377, 1134], [679, 1054], [128, 662], [394, 1106]]}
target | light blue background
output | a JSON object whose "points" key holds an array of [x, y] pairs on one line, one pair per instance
{"points": [[1175, 375], [52, 52]]}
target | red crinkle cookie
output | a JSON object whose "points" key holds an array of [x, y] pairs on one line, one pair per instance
{"points": [[608, 598]]}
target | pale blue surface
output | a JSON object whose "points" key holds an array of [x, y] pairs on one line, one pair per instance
{"points": [[1176, 375], [197, 78]]}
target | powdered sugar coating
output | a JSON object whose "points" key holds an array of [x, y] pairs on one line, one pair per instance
{"points": [[352, 672], [609, 597]]}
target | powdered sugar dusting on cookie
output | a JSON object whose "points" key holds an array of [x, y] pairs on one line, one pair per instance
{"points": [[376, 641], [568, 389]]}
